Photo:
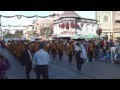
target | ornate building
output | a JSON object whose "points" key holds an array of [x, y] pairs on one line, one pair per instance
{"points": [[70, 23], [109, 22]]}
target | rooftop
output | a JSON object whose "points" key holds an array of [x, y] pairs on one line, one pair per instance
{"points": [[69, 14]]}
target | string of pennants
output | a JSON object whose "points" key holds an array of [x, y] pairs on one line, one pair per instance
{"points": [[12, 26], [20, 16]]}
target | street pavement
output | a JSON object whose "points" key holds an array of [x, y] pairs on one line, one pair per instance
{"points": [[64, 70]]}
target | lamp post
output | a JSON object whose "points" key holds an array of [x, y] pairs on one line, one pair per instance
{"points": [[99, 32]]}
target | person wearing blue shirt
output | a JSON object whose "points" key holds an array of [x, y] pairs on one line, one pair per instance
{"points": [[40, 60]]}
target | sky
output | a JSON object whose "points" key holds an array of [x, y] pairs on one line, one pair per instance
{"points": [[28, 21]]}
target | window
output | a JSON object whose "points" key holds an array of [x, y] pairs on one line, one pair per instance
{"points": [[117, 16], [105, 18]]}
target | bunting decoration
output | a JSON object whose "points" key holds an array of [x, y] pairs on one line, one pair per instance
{"points": [[12, 26], [62, 25], [72, 25], [76, 25], [19, 16], [7, 16], [67, 25], [9, 26]]}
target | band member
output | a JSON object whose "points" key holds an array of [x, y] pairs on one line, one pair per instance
{"points": [[78, 51], [70, 51], [54, 49], [60, 50], [90, 51]]}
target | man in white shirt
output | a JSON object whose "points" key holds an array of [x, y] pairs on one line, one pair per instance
{"points": [[40, 60], [78, 51]]}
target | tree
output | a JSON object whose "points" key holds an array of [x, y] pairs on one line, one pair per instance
{"points": [[18, 33], [8, 35], [46, 31], [31, 33]]}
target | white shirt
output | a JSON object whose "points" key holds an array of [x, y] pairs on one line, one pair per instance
{"points": [[82, 48], [83, 53], [77, 48], [41, 57]]}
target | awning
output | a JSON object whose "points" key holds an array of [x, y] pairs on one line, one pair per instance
{"points": [[75, 37], [67, 25], [62, 25], [62, 35], [74, 25]]}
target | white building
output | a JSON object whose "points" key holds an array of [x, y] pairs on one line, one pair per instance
{"points": [[109, 23], [70, 24]]}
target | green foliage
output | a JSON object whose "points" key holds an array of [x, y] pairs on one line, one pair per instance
{"points": [[46, 31], [8, 35], [31, 33], [18, 33]]}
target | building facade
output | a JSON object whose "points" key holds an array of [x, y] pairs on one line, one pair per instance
{"points": [[109, 22], [70, 24]]}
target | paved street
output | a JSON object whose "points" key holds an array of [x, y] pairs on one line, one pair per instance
{"points": [[63, 70]]}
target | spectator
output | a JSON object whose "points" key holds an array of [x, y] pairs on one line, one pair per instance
{"points": [[4, 65]]}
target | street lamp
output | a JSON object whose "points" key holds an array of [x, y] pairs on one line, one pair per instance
{"points": [[99, 32]]}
